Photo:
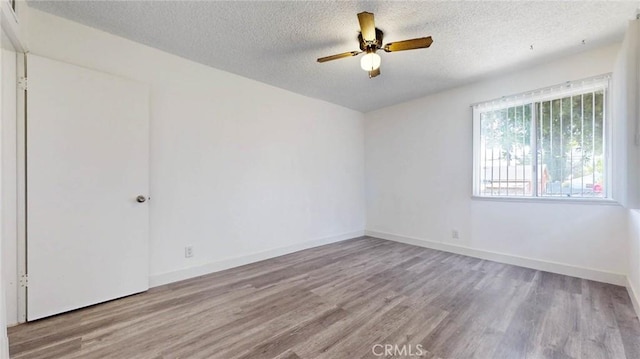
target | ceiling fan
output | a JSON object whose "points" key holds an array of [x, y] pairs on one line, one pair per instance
{"points": [[371, 41]]}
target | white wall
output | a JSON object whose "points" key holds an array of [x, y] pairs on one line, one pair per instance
{"points": [[8, 277], [8, 182], [239, 170], [12, 33], [8, 267], [626, 106], [4, 343], [418, 160]]}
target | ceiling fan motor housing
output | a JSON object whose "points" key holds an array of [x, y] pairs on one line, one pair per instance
{"points": [[373, 45]]}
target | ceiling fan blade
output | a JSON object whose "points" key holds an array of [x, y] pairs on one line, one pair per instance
{"points": [[374, 73], [367, 26], [338, 56], [419, 43]]}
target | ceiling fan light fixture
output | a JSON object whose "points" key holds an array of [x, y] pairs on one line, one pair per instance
{"points": [[370, 61]]}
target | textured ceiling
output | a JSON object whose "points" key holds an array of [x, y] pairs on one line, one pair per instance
{"points": [[278, 42]]}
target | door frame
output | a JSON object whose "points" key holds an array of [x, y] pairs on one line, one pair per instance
{"points": [[21, 184], [13, 28]]}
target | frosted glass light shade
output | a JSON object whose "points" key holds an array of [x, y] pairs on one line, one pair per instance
{"points": [[370, 61]]}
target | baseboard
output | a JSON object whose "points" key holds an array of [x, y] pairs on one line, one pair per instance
{"points": [[186, 273], [633, 293], [547, 266]]}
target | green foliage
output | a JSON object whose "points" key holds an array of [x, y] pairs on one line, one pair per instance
{"points": [[570, 135], [509, 131]]}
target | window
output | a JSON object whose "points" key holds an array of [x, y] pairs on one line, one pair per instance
{"points": [[550, 143]]}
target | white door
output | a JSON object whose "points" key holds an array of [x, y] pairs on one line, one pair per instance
{"points": [[87, 162]]}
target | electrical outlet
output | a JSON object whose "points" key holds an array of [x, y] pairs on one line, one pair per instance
{"points": [[455, 234], [188, 251]]}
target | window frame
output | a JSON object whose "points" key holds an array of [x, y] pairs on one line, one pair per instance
{"points": [[533, 99]]}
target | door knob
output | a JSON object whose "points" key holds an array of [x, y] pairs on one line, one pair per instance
{"points": [[141, 199]]}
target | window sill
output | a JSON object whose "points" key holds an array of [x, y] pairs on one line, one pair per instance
{"points": [[590, 201]]}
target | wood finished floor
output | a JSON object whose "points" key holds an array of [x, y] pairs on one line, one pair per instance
{"points": [[338, 300]]}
